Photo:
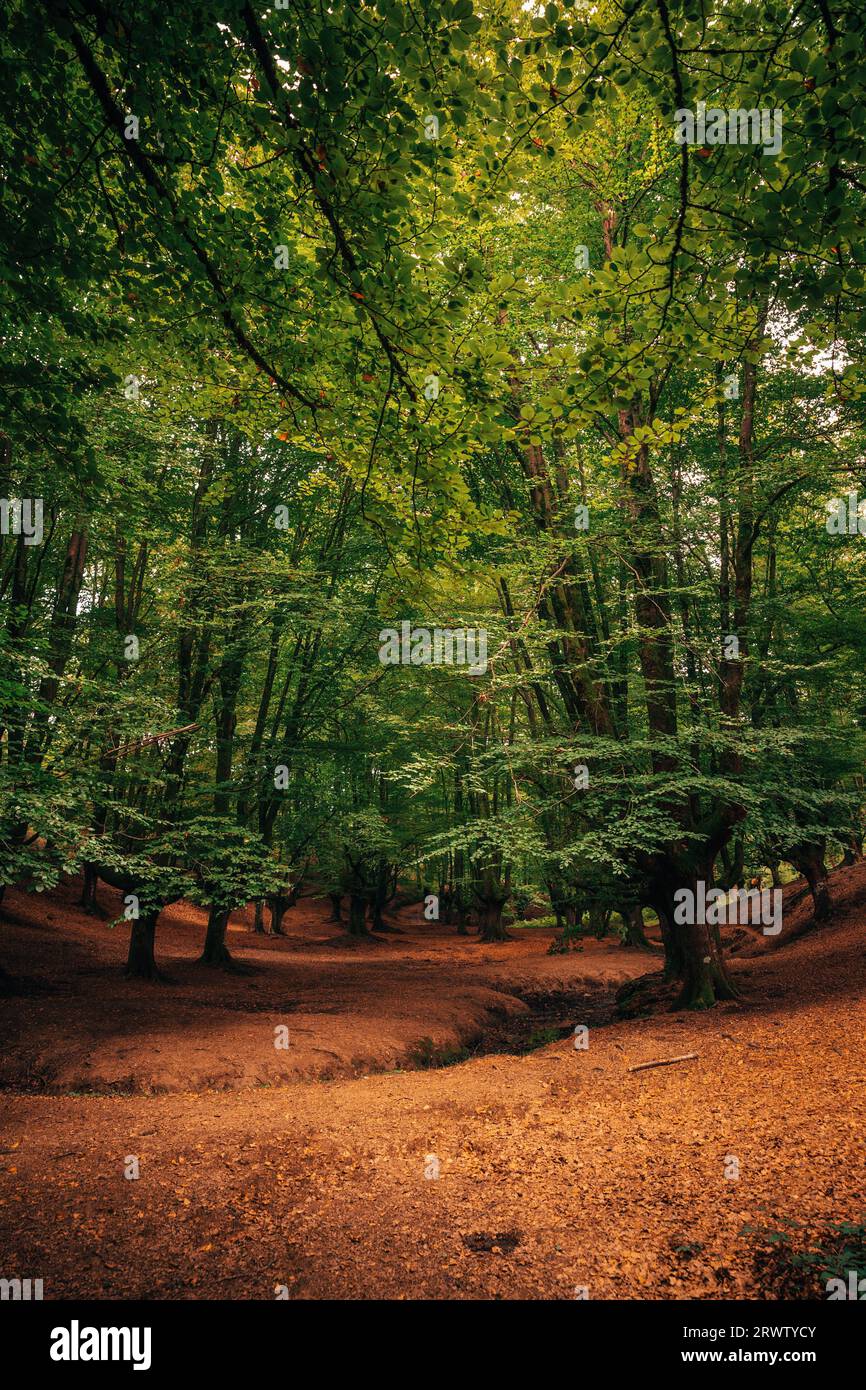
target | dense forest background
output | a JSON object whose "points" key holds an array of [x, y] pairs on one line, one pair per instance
{"points": [[318, 320]]}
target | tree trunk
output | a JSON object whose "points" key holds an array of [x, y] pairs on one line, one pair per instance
{"points": [[811, 863], [88, 901], [462, 929], [733, 865], [336, 900], [5, 977], [358, 915], [278, 903], [61, 634], [704, 977], [259, 919], [673, 966], [140, 962], [693, 953], [698, 983], [597, 923], [558, 903], [215, 951], [634, 932], [447, 905], [490, 926]]}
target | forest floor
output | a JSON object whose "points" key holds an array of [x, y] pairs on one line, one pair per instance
{"points": [[332, 1169]]}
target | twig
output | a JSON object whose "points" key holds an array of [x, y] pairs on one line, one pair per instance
{"points": [[664, 1061]]}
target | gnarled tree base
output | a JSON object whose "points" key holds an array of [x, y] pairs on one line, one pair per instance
{"points": [[215, 951]]}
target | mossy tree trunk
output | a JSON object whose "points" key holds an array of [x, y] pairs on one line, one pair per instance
{"points": [[693, 952]]}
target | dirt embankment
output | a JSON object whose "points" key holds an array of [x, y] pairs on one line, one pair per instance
{"points": [[348, 1005]]}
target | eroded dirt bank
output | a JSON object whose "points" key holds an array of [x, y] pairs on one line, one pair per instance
{"points": [[349, 1005]]}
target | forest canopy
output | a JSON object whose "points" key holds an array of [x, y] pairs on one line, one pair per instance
{"points": [[431, 441]]}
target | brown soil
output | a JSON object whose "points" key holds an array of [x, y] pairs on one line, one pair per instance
{"points": [[351, 1004], [556, 1169]]}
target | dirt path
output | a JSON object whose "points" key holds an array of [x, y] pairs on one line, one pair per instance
{"points": [[588, 1174]]}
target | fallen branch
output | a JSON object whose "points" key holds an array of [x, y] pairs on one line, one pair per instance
{"points": [[664, 1061]]}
